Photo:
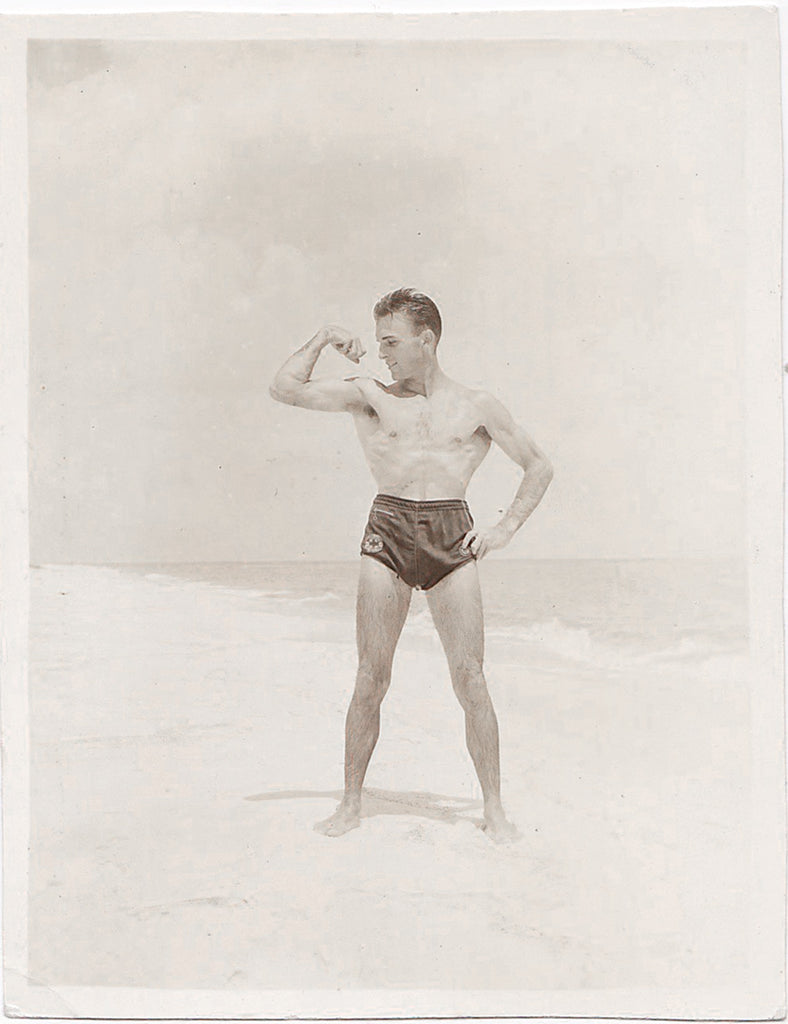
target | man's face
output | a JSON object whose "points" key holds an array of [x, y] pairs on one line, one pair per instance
{"points": [[400, 347]]}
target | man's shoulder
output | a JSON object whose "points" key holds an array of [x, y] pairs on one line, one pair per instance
{"points": [[368, 390], [478, 397], [490, 410]]}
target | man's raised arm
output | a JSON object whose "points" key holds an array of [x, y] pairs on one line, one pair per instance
{"points": [[537, 474], [292, 384]]}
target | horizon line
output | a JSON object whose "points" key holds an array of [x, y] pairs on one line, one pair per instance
{"points": [[353, 561]]}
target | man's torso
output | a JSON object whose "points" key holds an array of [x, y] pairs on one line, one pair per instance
{"points": [[420, 447]]}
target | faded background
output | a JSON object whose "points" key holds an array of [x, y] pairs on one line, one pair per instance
{"points": [[198, 210]]}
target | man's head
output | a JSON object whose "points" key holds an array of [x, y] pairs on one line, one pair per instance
{"points": [[408, 328]]}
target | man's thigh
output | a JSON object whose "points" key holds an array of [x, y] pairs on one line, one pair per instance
{"points": [[456, 607], [381, 609]]}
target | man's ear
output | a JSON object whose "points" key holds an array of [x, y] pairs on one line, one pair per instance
{"points": [[428, 337]]}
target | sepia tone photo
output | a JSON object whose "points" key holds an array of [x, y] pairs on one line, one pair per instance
{"points": [[397, 526]]}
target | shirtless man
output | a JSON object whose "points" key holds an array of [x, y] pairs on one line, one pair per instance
{"points": [[424, 435]]}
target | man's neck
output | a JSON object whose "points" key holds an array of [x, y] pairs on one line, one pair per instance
{"points": [[427, 383]]}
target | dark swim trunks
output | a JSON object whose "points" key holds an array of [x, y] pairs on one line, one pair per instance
{"points": [[419, 540]]}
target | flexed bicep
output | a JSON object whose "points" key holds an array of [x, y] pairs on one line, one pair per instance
{"points": [[293, 384], [322, 395]]}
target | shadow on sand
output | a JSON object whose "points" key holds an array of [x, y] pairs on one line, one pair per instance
{"points": [[384, 801]]}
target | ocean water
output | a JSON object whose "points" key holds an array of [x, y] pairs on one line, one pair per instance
{"points": [[585, 609]]}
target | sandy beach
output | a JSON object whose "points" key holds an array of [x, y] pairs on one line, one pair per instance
{"points": [[187, 733]]}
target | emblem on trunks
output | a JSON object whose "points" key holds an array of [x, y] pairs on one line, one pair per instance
{"points": [[372, 544]]}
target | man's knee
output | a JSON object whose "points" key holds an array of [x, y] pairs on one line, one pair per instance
{"points": [[470, 685], [372, 682]]}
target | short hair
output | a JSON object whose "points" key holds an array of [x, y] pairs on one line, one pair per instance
{"points": [[420, 309]]}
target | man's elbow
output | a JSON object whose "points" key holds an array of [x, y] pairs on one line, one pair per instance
{"points": [[541, 470], [280, 394]]}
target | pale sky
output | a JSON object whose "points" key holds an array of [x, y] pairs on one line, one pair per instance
{"points": [[199, 210]]}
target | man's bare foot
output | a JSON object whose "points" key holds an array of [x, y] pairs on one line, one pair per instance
{"points": [[344, 818], [498, 829]]}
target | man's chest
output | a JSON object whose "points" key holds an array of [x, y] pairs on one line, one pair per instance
{"points": [[422, 422]]}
